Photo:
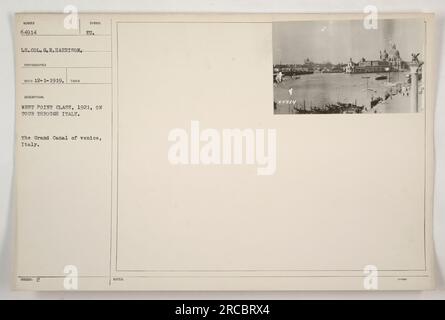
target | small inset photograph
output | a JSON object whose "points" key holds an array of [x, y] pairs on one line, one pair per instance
{"points": [[348, 66]]}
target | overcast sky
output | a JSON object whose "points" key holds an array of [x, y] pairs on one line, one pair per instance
{"points": [[337, 41]]}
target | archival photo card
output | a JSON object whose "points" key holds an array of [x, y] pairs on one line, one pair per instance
{"points": [[349, 66], [148, 156]]}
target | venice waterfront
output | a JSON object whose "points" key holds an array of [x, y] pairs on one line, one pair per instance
{"points": [[320, 89]]}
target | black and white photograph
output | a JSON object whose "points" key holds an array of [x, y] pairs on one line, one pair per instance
{"points": [[347, 66]]}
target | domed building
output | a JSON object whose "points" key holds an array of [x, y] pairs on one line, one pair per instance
{"points": [[393, 57], [394, 53], [389, 61]]}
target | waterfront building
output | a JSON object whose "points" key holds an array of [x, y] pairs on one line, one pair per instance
{"points": [[389, 61]]}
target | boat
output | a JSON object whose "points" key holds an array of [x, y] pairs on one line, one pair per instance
{"points": [[375, 101], [338, 107], [381, 77]]}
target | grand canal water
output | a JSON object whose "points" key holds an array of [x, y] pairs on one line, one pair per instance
{"points": [[319, 89]]}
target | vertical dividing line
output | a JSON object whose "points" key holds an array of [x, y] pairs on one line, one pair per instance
{"points": [[426, 133], [111, 162], [117, 143]]}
